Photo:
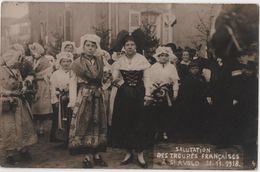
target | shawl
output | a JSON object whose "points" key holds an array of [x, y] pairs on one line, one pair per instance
{"points": [[83, 70]]}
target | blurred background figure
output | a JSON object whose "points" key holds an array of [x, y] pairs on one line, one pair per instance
{"points": [[40, 76], [17, 130]]}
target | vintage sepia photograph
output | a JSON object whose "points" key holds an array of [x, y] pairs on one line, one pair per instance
{"points": [[128, 85]]}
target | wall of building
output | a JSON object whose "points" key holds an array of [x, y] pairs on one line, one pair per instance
{"points": [[46, 19], [187, 18], [86, 16], [120, 15], [14, 30]]}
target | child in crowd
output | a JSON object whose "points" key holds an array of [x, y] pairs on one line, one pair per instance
{"points": [[60, 97], [40, 76], [163, 78], [68, 46], [193, 97]]}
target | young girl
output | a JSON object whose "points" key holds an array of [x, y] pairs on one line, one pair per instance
{"points": [[17, 130], [164, 88], [42, 70], [88, 131], [60, 97]]}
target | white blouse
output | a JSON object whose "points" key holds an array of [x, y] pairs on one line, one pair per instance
{"points": [[138, 62], [59, 79], [163, 74]]}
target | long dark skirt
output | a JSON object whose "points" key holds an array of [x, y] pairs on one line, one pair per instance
{"points": [[61, 134], [161, 117], [129, 127]]}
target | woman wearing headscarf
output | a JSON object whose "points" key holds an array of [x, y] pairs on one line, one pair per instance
{"points": [[88, 130], [17, 130], [60, 98], [163, 80], [128, 123], [40, 77], [68, 46]]}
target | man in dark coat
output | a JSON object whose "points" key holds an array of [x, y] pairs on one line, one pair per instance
{"points": [[244, 91]]}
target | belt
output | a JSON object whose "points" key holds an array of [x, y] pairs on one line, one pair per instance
{"points": [[134, 84]]}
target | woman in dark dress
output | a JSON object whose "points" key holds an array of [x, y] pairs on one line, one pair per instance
{"points": [[128, 123], [194, 97], [183, 67]]}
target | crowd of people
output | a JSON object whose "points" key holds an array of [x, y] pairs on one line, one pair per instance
{"points": [[124, 100]]}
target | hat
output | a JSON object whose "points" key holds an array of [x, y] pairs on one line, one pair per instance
{"points": [[50, 58], [89, 37], [64, 55], [66, 43], [128, 38], [164, 50], [37, 48], [10, 57]]}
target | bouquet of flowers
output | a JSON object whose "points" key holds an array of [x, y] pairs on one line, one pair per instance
{"points": [[161, 93]]}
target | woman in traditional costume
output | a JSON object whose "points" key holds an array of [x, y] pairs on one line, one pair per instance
{"points": [[128, 123], [68, 46], [60, 98], [88, 130], [164, 89], [17, 130], [40, 76]]}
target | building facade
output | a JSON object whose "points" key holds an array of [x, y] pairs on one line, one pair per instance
{"points": [[54, 22], [15, 30]]}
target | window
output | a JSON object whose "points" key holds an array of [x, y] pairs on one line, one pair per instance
{"points": [[153, 20]]}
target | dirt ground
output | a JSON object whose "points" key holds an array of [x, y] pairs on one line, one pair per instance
{"points": [[54, 155]]}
